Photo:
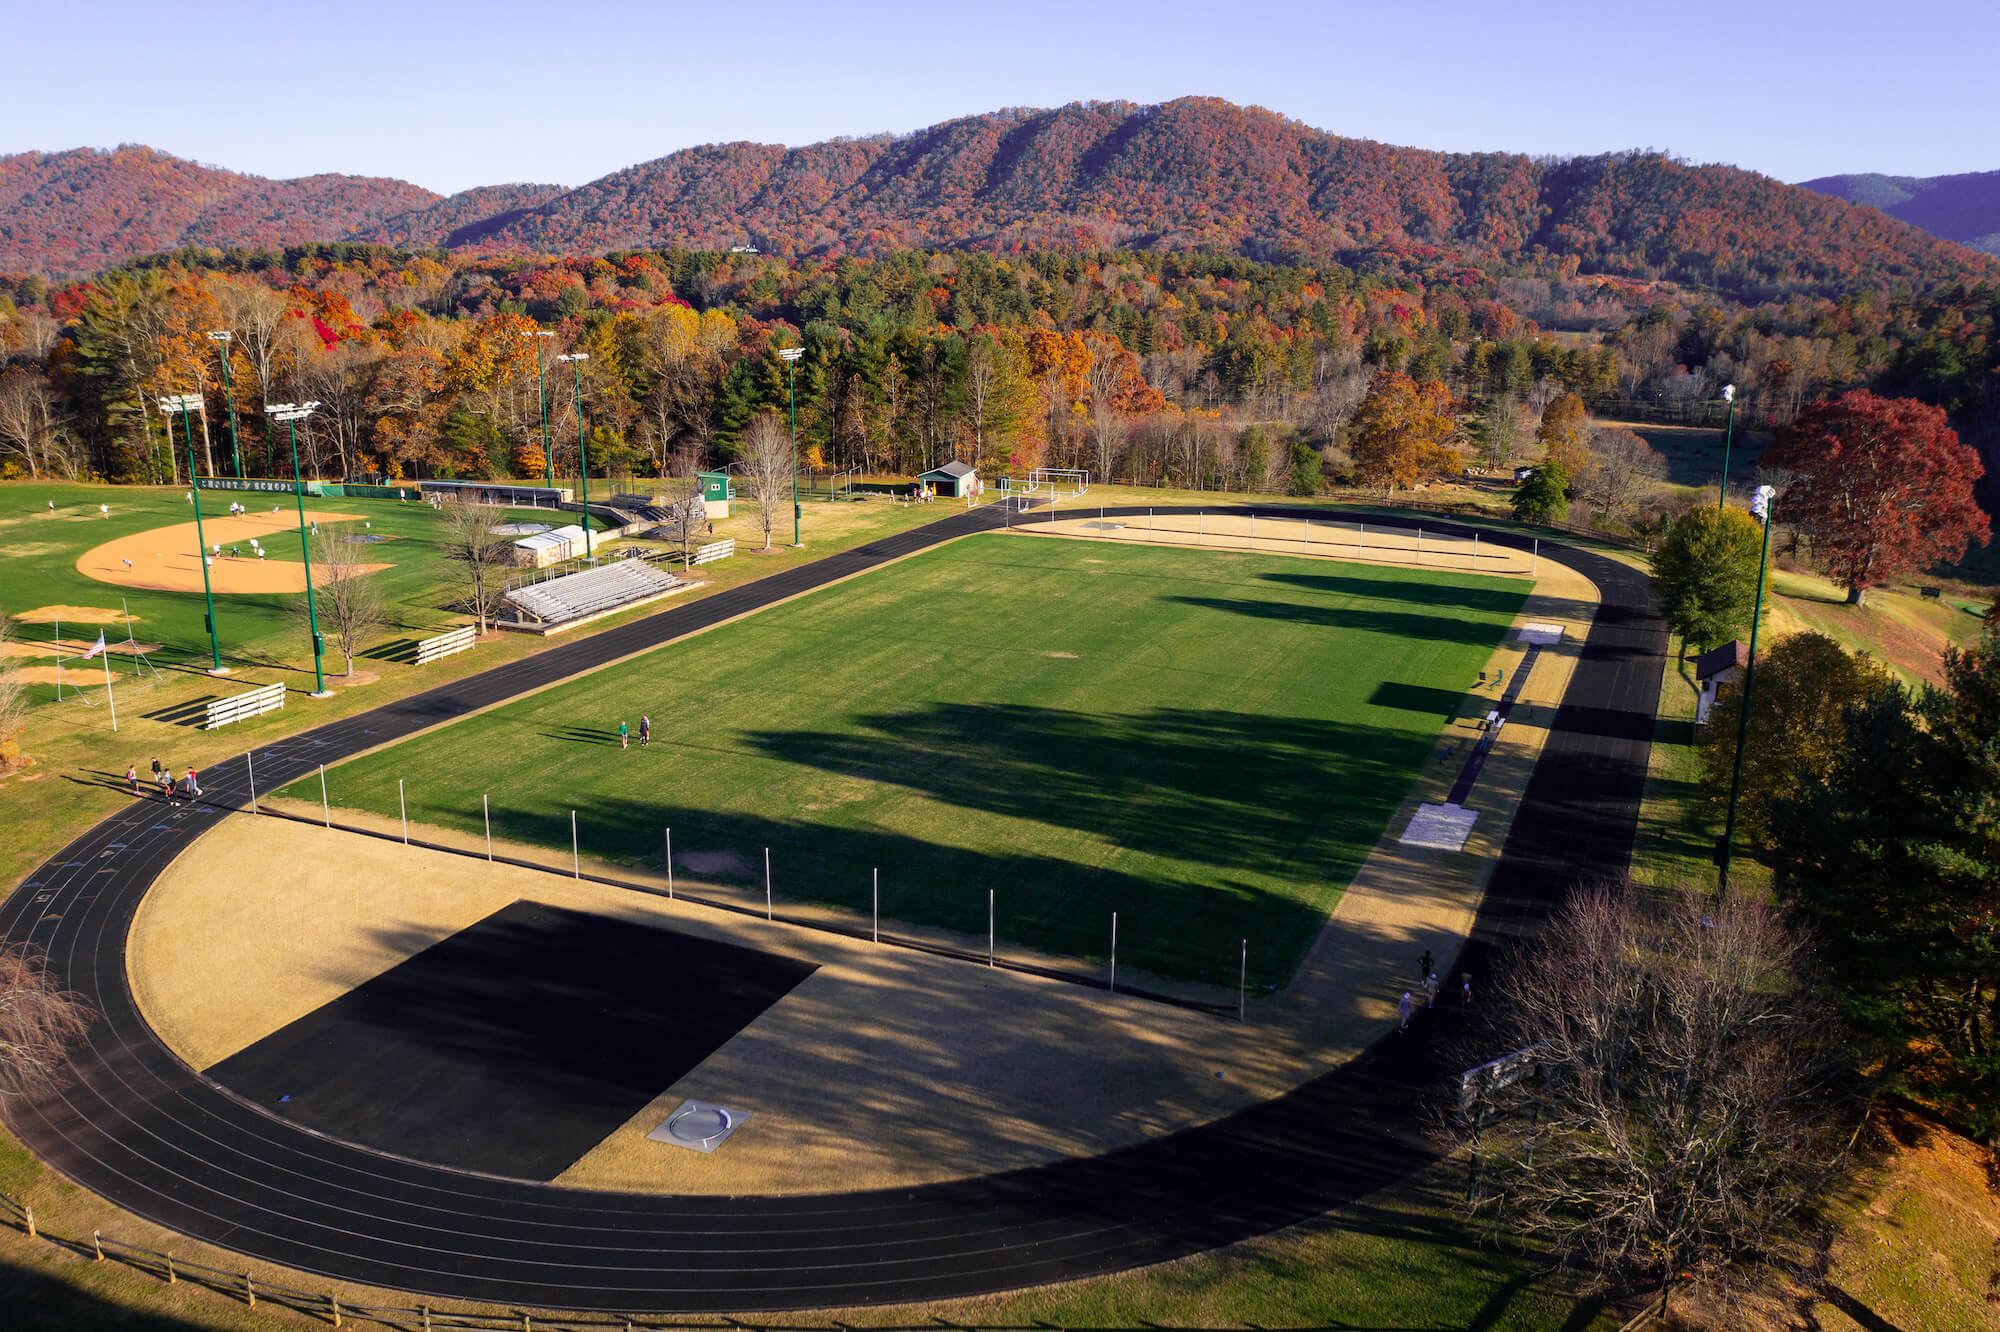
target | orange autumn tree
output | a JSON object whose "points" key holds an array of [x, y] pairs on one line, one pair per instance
{"points": [[1565, 434], [1404, 433]]}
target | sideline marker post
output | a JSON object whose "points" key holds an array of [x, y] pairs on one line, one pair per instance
{"points": [[1198, 537], [989, 927], [1475, 551], [1420, 545], [250, 770], [767, 883], [1535, 558], [1242, 978], [670, 864], [1360, 537], [575, 856], [1306, 545], [1114, 952], [486, 816], [1253, 531], [403, 806], [324, 812], [875, 935]]}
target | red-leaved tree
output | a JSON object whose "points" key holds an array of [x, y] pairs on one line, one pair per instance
{"points": [[1881, 485]]}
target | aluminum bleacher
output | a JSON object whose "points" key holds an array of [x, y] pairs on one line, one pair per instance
{"points": [[574, 598]]}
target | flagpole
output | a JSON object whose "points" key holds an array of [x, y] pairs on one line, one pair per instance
{"points": [[109, 697]]}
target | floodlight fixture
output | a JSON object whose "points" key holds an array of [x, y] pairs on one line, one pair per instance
{"points": [[1729, 393], [537, 333], [790, 353], [574, 356], [218, 335]]}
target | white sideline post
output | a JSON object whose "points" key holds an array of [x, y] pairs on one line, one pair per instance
{"points": [[251, 770], [1535, 559], [1198, 538], [767, 883], [1420, 545], [875, 935], [989, 927], [1475, 552], [670, 864], [1242, 976], [324, 812], [1114, 952], [1306, 547], [575, 856], [1360, 537], [486, 816], [1253, 531], [403, 806]]}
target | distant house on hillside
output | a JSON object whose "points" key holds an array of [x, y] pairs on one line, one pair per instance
{"points": [[1714, 669], [743, 249]]}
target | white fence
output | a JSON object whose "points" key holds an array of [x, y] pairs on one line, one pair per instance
{"points": [[226, 710], [715, 550], [452, 640]]}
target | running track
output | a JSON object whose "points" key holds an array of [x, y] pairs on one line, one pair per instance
{"points": [[137, 1126]]}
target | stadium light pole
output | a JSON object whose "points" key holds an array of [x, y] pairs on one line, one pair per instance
{"points": [[185, 403], [576, 360], [542, 391], [291, 413], [1728, 437], [1760, 507], [222, 337], [790, 356]]}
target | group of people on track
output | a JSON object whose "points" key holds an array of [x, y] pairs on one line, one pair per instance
{"points": [[163, 777]]}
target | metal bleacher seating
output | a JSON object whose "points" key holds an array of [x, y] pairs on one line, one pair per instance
{"points": [[580, 595]]}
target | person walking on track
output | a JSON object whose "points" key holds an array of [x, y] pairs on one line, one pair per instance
{"points": [[193, 786], [167, 787], [1403, 1008], [132, 776]]}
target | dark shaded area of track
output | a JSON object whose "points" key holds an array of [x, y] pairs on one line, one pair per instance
{"points": [[137, 1126]]}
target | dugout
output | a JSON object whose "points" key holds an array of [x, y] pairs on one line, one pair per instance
{"points": [[546, 548], [954, 480]]}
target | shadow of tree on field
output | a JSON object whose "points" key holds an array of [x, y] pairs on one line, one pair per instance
{"points": [[1491, 600]]}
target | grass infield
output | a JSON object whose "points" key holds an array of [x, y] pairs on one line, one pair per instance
{"points": [[1206, 743]]}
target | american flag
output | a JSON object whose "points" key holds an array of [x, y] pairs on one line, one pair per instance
{"points": [[96, 647]]}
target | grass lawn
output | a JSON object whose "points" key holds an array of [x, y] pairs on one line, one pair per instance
{"points": [[1206, 743]]}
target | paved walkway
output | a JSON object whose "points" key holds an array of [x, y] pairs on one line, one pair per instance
{"points": [[138, 1127]]}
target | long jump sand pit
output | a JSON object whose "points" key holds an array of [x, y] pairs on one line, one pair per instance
{"points": [[167, 559]]}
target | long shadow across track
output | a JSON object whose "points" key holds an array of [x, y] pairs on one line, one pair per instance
{"points": [[137, 1126]]}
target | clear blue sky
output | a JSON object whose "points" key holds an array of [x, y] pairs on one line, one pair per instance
{"points": [[454, 95]]}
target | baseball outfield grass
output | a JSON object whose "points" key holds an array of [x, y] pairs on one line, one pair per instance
{"points": [[1206, 743]]}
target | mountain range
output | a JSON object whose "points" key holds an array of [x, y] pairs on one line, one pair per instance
{"points": [[1197, 172], [1964, 208]]}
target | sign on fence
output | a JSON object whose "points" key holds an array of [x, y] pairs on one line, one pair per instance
{"points": [[715, 550], [452, 640], [269, 484], [226, 710]]}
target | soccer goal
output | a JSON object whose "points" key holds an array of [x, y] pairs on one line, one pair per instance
{"points": [[1045, 483]]}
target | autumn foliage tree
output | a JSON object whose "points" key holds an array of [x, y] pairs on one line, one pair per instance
{"points": [[1881, 485], [1404, 433], [1564, 434]]}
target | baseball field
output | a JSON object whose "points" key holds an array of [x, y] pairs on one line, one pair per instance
{"points": [[1207, 743]]}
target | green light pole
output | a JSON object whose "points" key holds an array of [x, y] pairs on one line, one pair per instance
{"points": [[222, 336], [185, 403], [1728, 438], [790, 356], [542, 391], [576, 360], [1760, 506], [291, 413]]}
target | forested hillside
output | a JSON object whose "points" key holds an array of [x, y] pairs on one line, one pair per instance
{"points": [[1199, 369], [1964, 208], [76, 212], [1194, 174]]}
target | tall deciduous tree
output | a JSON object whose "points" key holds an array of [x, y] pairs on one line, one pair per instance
{"points": [[1404, 433], [1705, 574], [1544, 496], [1564, 433], [1798, 733], [767, 468], [347, 600], [1693, 1098], [1882, 486], [473, 542], [1620, 470]]}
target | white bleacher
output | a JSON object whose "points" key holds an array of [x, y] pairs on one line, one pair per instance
{"points": [[579, 596]]}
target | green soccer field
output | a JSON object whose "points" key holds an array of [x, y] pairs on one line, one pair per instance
{"points": [[1207, 744]]}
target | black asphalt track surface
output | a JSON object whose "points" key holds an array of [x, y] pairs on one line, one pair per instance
{"points": [[137, 1126], [515, 1045]]}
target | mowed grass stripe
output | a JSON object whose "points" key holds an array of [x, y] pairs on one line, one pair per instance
{"points": [[1200, 741]]}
